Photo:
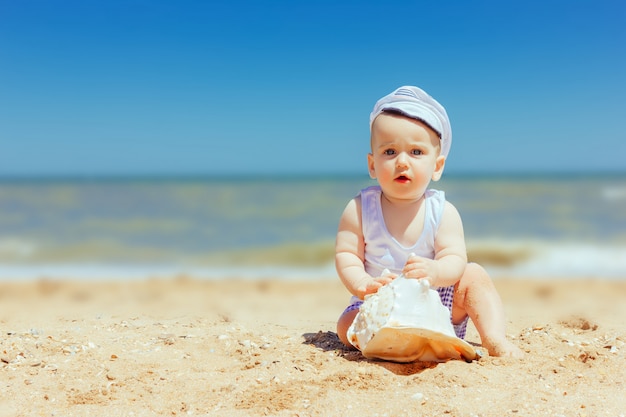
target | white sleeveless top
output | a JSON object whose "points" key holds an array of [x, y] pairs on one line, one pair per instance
{"points": [[382, 250]]}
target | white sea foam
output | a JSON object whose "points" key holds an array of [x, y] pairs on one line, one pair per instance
{"points": [[502, 259], [568, 261], [616, 192]]}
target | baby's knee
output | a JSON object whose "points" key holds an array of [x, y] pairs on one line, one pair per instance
{"points": [[475, 275], [343, 324], [475, 271]]}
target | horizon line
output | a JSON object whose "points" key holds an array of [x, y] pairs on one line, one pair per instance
{"points": [[292, 176]]}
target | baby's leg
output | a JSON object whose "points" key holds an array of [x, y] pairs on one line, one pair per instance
{"points": [[477, 297], [344, 323]]}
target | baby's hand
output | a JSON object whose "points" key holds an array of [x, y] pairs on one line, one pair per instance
{"points": [[373, 284], [420, 268]]}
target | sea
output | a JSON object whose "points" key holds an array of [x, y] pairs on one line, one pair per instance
{"points": [[526, 226]]}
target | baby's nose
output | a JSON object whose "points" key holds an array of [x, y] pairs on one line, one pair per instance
{"points": [[402, 160]]}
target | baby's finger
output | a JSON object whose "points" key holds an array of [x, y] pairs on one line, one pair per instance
{"points": [[415, 272], [384, 280], [388, 274], [411, 259], [409, 267], [371, 288]]}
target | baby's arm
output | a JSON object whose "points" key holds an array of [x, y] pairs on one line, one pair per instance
{"points": [[450, 253], [350, 254]]}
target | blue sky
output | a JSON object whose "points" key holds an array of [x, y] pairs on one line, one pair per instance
{"points": [[138, 87]]}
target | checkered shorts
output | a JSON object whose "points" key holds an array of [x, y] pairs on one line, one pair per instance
{"points": [[447, 296]]}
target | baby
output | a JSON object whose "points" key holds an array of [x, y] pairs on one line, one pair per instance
{"points": [[402, 226]]}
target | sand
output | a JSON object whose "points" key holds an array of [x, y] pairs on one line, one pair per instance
{"points": [[247, 348]]}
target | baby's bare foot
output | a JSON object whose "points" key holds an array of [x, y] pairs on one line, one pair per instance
{"points": [[503, 348]]}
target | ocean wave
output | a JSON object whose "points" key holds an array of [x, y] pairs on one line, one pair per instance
{"points": [[567, 260], [612, 193], [523, 259]]}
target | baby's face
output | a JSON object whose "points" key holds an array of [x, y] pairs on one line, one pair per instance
{"points": [[405, 156]]}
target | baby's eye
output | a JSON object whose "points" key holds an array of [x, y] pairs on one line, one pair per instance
{"points": [[389, 152], [416, 152]]}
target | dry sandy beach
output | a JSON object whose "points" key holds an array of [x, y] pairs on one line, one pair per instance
{"points": [[248, 348]]}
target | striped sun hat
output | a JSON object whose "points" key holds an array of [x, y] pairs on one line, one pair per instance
{"points": [[415, 103]]}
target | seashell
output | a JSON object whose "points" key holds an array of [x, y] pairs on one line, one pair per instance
{"points": [[405, 321]]}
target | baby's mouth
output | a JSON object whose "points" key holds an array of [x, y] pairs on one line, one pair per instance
{"points": [[403, 178]]}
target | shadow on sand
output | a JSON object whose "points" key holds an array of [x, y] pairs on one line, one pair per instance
{"points": [[329, 341]]}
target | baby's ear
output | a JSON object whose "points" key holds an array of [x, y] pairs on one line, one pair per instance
{"points": [[370, 166], [439, 165]]}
